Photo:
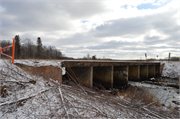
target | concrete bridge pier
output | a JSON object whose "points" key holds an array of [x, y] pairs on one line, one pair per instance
{"points": [[120, 76], [134, 73], [157, 71], [103, 76], [151, 70], [143, 72], [112, 76]]}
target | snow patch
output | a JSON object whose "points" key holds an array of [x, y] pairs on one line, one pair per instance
{"points": [[171, 69]]}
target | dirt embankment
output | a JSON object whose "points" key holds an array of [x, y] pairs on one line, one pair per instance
{"points": [[46, 72]]}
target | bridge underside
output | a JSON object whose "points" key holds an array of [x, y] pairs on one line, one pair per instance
{"points": [[111, 74]]}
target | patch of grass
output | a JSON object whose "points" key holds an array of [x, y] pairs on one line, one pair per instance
{"points": [[171, 107], [137, 96]]}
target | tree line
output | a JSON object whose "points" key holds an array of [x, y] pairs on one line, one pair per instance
{"points": [[29, 50]]}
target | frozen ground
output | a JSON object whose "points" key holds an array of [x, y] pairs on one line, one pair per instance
{"points": [[49, 99], [171, 69], [166, 95]]}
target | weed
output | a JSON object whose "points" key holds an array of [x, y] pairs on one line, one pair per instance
{"points": [[137, 95]]}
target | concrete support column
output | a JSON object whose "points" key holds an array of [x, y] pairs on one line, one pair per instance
{"points": [[143, 72], [103, 76], [112, 73], [127, 72], [120, 76], [138, 72], [151, 71], [91, 77], [157, 71], [134, 73]]}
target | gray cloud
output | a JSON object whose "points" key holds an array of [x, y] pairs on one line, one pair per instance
{"points": [[45, 16], [172, 40], [133, 27], [112, 45], [122, 27], [27, 18], [30, 16], [82, 9]]}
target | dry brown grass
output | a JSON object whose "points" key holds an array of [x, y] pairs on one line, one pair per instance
{"points": [[137, 95], [161, 82]]}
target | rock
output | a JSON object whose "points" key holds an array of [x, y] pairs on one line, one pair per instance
{"points": [[176, 102]]}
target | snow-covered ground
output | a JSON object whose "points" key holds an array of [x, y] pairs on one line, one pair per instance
{"points": [[171, 69], [166, 95], [49, 99], [14, 82]]}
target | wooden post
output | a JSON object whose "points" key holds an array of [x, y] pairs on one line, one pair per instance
{"points": [[13, 48], [0, 52]]}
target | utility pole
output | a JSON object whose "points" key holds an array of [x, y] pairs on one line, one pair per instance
{"points": [[169, 56], [146, 56]]}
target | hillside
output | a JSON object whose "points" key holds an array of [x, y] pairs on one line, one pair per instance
{"points": [[30, 96]]}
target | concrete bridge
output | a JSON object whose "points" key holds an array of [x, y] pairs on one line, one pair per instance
{"points": [[111, 73]]}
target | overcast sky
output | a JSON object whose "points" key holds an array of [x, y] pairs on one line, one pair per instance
{"points": [[117, 29]]}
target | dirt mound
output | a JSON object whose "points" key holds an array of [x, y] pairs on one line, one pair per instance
{"points": [[46, 72]]}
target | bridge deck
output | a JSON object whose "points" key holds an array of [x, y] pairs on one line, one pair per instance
{"points": [[87, 63]]}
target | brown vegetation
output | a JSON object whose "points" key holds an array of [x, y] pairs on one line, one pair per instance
{"points": [[46, 72]]}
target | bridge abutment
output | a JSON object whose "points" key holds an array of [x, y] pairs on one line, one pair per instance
{"points": [[143, 72], [120, 76]]}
